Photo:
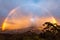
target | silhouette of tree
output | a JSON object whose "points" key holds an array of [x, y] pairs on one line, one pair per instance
{"points": [[55, 27], [49, 24]]}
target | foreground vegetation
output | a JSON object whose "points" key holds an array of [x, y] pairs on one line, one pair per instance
{"points": [[31, 36], [52, 34]]}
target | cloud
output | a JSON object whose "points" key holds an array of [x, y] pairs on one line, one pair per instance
{"points": [[46, 6]]}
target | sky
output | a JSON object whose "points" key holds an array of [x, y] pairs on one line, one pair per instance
{"points": [[37, 7]]}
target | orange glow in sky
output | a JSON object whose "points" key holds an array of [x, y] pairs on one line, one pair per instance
{"points": [[15, 21]]}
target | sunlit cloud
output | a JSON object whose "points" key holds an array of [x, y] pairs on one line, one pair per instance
{"points": [[20, 14]]}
